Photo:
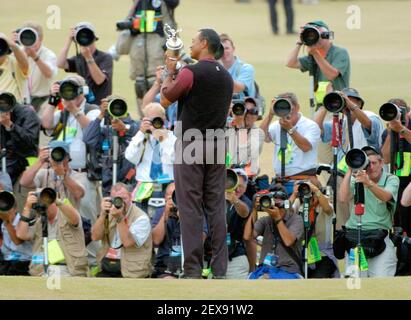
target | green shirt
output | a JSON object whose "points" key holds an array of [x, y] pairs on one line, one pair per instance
{"points": [[378, 214], [339, 59]]}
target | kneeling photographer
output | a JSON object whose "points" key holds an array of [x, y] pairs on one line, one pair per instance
{"points": [[283, 231], [46, 217], [317, 213], [125, 232], [110, 139], [374, 194], [15, 253], [167, 237]]}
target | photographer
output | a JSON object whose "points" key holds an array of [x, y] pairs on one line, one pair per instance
{"points": [[16, 252], [283, 231], [20, 128], [366, 131], [238, 210], [55, 173], [100, 137], [242, 73], [380, 198], [151, 150], [302, 139], [402, 216], [15, 69], [328, 63], [126, 234], [95, 66], [43, 67], [65, 234], [145, 43], [320, 231]]}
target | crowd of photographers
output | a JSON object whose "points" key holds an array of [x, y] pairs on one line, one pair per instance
{"points": [[88, 191]]}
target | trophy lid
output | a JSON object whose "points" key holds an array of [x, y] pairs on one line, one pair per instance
{"points": [[173, 42]]}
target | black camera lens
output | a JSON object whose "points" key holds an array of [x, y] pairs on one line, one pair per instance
{"points": [[334, 102], [124, 25], [356, 159], [7, 201], [4, 47], [231, 182], [117, 108], [85, 36], [304, 190], [58, 154], [282, 107], [7, 102], [389, 111], [118, 202], [266, 202], [310, 36], [69, 90], [157, 122], [47, 196], [27, 37], [238, 108]]}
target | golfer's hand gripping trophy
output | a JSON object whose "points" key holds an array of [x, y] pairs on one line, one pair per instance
{"points": [[174, 45]]}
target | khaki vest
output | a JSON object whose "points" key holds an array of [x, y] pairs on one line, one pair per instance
{"points": [[135, 261], [71, 241]]}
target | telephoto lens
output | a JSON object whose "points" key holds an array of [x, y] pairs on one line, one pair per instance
{"points": [[232, 181], [266, 201], [27, 37], [84, 36], [357, 159], [117, 108], [157, 122], [389, 111], [47, 196], [310, 35], [304, 190], [7, 102], [117, 202], [69, 90], [7, 201], [238, 108], [58, 154], [4, 47], [282, 107], [334, 102]]}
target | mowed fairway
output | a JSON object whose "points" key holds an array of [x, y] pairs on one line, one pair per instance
{"points": [[92, 288], [380, 68]]}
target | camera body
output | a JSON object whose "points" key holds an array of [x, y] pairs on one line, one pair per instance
{"points": [[132, 24], [270, 200], [7, 102], [311, 34]]}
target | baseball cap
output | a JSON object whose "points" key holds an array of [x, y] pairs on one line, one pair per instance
{"points": [[353, 93], [252, 110], [319, 23], [376, 151], [59, 144], [87, 25], [241, 173]]}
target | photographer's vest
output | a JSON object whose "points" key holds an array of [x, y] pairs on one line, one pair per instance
{"points": [[71, 241], [152, 15], [135, 261]]}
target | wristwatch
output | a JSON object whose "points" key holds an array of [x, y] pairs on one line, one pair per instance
{"points": [[90, 61], [127, 127], [278, 221], [291, 131], [79, 114], [119, 219], [402, 130]]}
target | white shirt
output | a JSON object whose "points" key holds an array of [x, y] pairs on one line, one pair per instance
{"points": [[74, 136], [39, 85], [296, 160], [140, 229], [10, 250], [138, 145]]}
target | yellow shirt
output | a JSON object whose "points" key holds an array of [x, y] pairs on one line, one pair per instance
{"points": [[17, 84]]}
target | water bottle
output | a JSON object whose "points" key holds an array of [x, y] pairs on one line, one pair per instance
{"points": [[106, 145], [228, 239]]}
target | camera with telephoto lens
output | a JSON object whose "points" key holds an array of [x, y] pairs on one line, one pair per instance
{"points": [[70, 90], [238, 107], [27, 37], [45, 197], [232, 181], [282, 107], [58, 154], [304, 190], [334, 102], [311, 34], [357, 159], [7, 201], [84, 35], [390, 111], [270, 200], [132, 24], [117, 202], [117, 108], [7, 102], [4, 47]]}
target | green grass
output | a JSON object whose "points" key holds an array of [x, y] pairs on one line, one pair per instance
{"points": [[78, 288], [380, 63]]}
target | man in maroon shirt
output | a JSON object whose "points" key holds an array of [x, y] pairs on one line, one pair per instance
{"points": [[204, 92]]}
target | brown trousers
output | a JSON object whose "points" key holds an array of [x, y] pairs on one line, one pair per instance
{"points": [[200, 190]]}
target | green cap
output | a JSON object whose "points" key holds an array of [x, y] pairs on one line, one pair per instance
{"points": [[320, 23]]}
